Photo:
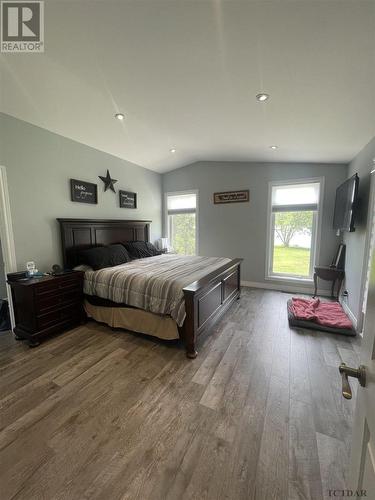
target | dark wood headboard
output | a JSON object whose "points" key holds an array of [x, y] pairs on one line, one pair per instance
{"points": [[77, 234]]}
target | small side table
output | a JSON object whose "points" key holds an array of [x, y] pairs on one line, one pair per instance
{"points": [[328, 273], [47, 305]]}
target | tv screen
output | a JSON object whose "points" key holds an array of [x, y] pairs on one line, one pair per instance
{"points": [[346, 204]]}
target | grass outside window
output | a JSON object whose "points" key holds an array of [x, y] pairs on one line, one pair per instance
{"points": [[291, 261]]}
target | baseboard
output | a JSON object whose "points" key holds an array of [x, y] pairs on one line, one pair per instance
{"points": [[281, 287], [349, 312]]}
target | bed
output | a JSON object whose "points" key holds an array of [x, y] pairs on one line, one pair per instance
{"points": [[205, 299]]}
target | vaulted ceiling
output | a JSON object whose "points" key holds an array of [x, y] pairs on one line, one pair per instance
{"points": [[186, 73]]}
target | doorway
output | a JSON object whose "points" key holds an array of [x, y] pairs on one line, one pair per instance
{"points": [[3, 288], [7, 249], [4, 306]]}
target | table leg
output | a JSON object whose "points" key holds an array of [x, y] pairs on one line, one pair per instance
{"points": [[333, 288], [315, 285], [340, 280]]}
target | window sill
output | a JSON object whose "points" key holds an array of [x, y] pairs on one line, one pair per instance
{"points": [[289, 279]]}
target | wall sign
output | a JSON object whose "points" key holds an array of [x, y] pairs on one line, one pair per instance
{"points": [[232, 197], [127, 199], [83, 192]]}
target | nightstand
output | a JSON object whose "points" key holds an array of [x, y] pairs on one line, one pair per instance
{"points": [[328, 273], [47, 305]]}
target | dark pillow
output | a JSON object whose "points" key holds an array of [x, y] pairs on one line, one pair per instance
{"points": [[141, 249], [101, 257]]}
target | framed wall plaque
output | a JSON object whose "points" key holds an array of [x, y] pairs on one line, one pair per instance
{"points": [[232, 197], [128, 199], [83, 192]]}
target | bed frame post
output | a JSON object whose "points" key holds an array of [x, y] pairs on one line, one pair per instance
{"points": [[188, 329]]}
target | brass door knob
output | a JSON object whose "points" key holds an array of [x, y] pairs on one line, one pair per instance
{"points": [[358, 373]]}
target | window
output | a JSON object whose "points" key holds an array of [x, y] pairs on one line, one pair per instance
{"points": [[293, 230], [182, 222]]}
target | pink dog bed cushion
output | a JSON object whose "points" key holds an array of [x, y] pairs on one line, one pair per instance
{"points": [[311, 324], [308, 310], [329, 314]]}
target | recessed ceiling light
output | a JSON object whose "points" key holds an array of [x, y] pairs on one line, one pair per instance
{"points": [[262, 97], [120, 116], [172, 150], [273, 147]]}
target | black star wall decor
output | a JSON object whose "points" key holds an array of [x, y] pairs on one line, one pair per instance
{"points": [[108, 182]]}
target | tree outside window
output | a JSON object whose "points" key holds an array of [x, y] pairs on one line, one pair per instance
{"points": [[290, 224], [183, 233], [182, 222]]}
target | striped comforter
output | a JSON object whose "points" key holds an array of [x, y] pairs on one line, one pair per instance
{"points": [[153, 284]]}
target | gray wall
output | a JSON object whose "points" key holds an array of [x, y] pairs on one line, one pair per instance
{"points": [[240, 230], [39, 165], [356, 242]]}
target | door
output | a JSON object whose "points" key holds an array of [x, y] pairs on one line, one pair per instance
{"points": [[362, 467], [370, 238]]}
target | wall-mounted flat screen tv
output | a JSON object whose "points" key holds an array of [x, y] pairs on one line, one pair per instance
{"points": [[346, 205]]}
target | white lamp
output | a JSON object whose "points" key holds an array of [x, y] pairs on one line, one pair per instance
{"points": [[162, 243]]}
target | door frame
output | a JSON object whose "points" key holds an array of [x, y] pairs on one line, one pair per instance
{"points": [[367, 253], [7, 236]]}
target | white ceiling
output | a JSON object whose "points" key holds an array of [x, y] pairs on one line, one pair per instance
{"points": [[186, 73]]}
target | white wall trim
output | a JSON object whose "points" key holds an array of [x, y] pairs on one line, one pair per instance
{"points": [[6, 235], [281, 287], [350, 313]]}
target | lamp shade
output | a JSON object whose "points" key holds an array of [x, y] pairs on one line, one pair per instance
{"points": [[162, 243]]}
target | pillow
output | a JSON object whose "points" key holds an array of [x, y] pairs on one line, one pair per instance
{"points": [[141, 249], [101, 257], [83, 267]]}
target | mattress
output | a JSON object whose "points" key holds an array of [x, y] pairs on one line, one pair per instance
{"points": [[154, 284]]}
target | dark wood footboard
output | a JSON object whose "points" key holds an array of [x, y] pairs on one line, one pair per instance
{"points": [[207, 299]]}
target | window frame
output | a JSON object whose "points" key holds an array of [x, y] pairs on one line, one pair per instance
{"points": [[315, 236], [196, 211]]}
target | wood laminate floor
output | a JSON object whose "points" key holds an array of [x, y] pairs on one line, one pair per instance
{"points": [[95, 414]]}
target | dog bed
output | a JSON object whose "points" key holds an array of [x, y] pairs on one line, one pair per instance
{"points": [[307, 315]]}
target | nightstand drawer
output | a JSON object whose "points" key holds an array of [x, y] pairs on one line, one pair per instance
{"points": [[57, 316], [51, 300], [68, 283], [56, 288]]}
